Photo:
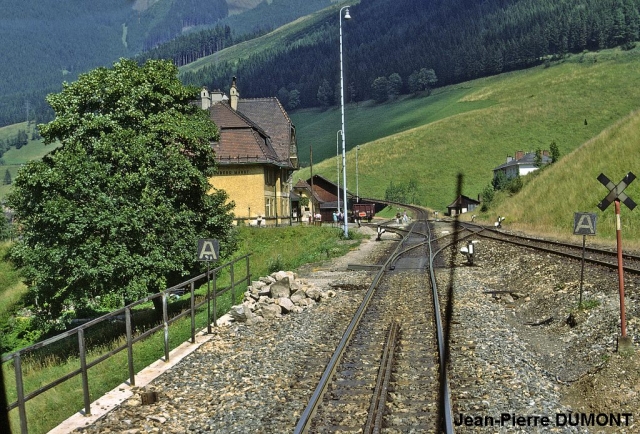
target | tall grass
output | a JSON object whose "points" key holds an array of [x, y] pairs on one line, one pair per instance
{"points": [[293, 246]]}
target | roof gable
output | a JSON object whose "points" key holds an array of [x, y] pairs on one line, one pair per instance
{"points": [[269, 114], [241, 141]]}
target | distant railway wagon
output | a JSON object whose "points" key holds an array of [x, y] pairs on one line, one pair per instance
{"points": [[363, 211]]}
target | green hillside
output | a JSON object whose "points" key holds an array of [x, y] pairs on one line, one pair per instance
{"points": [[14, 158], [367, 122], [572, 186], [523, 110]]}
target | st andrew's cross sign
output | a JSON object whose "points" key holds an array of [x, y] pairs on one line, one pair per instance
{"points": [[617, 195], [616, 192]]}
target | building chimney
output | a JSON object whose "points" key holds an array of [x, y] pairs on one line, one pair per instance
{"points": [[509, 158], [205, 98], [234, 95], [545, 153], [519, 155]]}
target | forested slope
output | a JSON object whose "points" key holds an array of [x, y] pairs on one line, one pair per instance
{"points": [[391, 40], [46, 43], [458, 39]]}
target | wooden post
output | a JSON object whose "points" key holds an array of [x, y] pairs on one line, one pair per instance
{"points": [[84, 374], [127, 322]]}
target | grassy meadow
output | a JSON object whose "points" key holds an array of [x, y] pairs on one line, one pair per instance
{"points": [[318, 128], [571, 185], [523, 110], [14, 158]]}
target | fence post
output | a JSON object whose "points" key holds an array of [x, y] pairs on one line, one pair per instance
{"points": [[85, 376], [233, 285], [193, 313], [215, 296], [248, 272], [17, 364], [208, 299], [165, 320], [127, 322]]}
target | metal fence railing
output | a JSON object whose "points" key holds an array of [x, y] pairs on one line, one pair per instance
{"points": [[125, 314]]}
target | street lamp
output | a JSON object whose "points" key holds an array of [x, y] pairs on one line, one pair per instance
{"points": [[344, 155], [338, 165]]}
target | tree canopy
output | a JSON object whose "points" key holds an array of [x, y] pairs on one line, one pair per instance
{"points": [[117, 209]]}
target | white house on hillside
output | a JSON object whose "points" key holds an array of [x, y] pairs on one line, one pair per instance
{"points": [[521, 164]]}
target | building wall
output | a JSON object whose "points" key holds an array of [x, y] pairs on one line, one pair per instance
{"points": [[527, 169], [254, 192], [245, 186]]}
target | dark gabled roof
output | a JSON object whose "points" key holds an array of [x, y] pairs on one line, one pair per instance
{"points": [[462, 200], [529, 158], [330, 183], [271, 116], [241, 140]]}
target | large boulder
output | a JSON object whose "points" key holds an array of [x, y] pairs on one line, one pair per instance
{"points": [[297, 297], [241, 312], [270, 311], [281, 288], [285, 303], [279, 275]]}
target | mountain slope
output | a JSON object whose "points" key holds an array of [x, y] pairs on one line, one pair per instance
{"points": [[525, 110], [458, 39], [46, 43], [571, 186]]}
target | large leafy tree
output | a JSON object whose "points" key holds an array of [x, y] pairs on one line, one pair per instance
{"points": [[116, 210]]}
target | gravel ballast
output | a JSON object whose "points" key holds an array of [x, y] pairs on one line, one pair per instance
{"points": [[506, 358]]}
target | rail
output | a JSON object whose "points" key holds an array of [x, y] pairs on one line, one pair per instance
{"points": [[17, 357], [305, 418]]}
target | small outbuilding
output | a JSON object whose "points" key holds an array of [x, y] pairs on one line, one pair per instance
{"points": [[461, 205]]}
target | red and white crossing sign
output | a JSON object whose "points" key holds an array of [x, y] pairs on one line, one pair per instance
{"points": [[617, 195], [616, 191]]}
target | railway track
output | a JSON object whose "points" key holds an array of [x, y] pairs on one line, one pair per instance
{"points": [[602, 257], [386, 376]]}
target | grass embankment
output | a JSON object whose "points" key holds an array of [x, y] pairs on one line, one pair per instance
{"points": [[546, 204], [523, 110], [11, 292], [272, 248]]}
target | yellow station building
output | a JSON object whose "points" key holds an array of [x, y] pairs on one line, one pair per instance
{"points": [[256, 154]]}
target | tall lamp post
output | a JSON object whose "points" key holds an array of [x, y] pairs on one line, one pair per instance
{"points": [[338, 164], [344, 155]]}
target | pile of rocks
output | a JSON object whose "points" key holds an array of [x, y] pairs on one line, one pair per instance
{"points": [[275, 295]]}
